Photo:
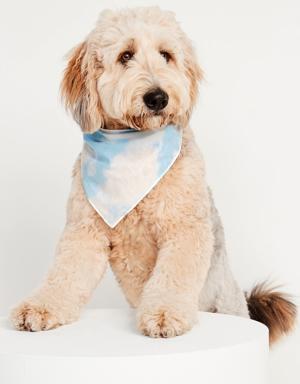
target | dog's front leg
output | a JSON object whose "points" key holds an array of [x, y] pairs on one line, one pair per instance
{"points": [[170, 298], [81, 257]]}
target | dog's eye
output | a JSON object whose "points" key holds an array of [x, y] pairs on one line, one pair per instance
{"points": [[166, 55], [126, 56]]}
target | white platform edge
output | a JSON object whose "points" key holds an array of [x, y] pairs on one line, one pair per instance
{"points": [[243, 363]]}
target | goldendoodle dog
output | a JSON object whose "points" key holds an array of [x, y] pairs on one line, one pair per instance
{"points": [[139, 198]]}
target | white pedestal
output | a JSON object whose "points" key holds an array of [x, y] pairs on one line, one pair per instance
{"points": [[105, 348]]}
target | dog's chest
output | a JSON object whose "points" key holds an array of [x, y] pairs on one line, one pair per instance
{"points": [[175, 194]]}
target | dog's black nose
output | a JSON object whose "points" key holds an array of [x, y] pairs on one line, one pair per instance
{"points": [[157, 99]]}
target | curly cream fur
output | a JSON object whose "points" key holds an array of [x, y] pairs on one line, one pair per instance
{"points": [[168, 253]]}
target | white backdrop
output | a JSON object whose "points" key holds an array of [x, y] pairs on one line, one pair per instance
{"points": [[247, 124]]}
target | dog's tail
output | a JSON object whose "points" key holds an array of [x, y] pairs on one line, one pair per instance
{"points": [[273, 308]]}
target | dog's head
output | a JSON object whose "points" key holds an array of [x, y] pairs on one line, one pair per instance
{"points": [[135, 69]]}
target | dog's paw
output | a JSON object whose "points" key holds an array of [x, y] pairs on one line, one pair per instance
{"points": [[33, 318], [164, 323]]}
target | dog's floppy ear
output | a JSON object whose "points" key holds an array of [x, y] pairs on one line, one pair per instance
{"points": [[79, 89], [193, 72]]}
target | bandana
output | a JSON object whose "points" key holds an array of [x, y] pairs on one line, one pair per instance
{"points": [[120, 167]]}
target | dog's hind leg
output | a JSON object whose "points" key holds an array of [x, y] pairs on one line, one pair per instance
{"points": [[81, 258], [221, 292]]}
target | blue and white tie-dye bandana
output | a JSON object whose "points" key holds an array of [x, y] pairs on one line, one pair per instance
{"points": [[120, 167]]}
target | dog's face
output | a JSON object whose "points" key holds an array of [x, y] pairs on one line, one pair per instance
{"points": [[136, 69]]}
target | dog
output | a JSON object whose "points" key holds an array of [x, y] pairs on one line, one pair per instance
{"points": [[137, 69]]}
